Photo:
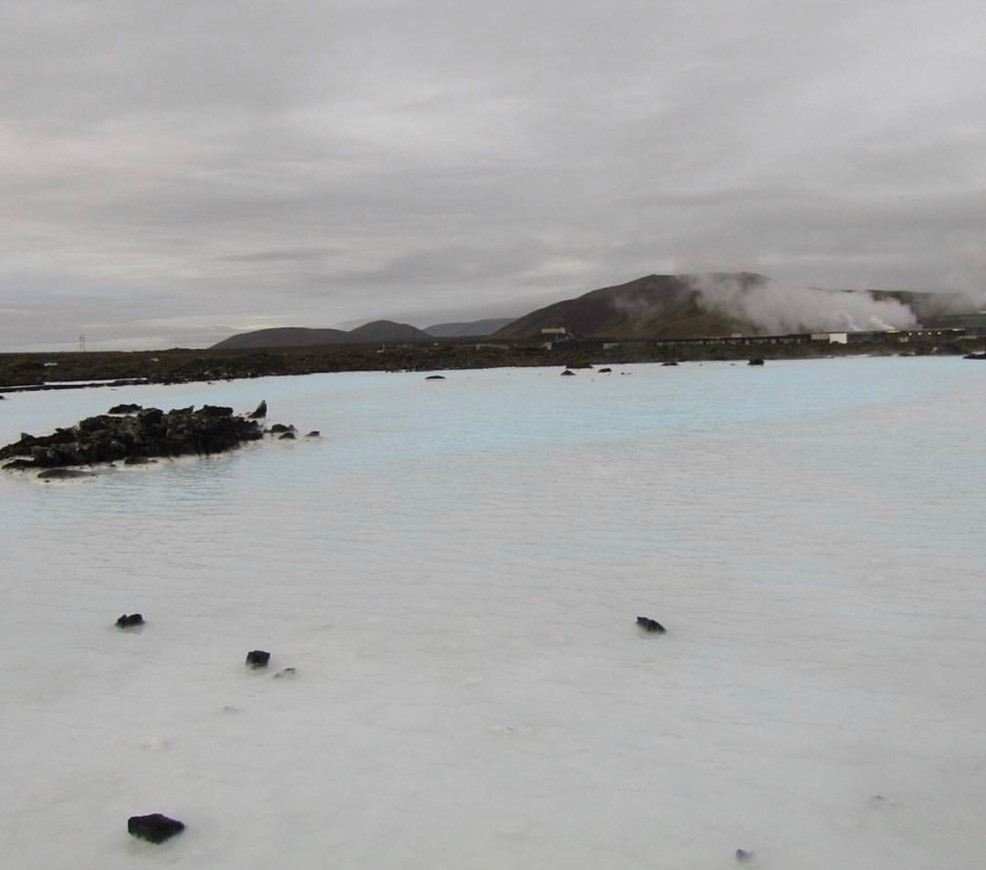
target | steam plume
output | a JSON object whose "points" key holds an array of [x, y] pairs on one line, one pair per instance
{"points": [[776, 308]]}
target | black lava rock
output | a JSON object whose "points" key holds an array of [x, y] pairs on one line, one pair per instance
{"points": [[286, 436], [277, 428], [755, 362], [156, 827], [257, 658], [260, 412], [651, 625], [130, 620], [314, 434], [147, 433], [125, 409]]}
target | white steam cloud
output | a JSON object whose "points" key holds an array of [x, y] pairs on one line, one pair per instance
{"points": [[776, 308]]}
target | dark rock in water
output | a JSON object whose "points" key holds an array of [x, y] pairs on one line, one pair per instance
{"points": [[61, 473], [287, 672], [669, 362], [755, 362], [260, 412], [147, 433], [651, 625], [744, 855], [568, 373], [286, 436], [257, 658], [125, 409], [314, 434], [435, 378], [156, 827], [130, 620], [216, 411], [605, 371], [281, 427]]}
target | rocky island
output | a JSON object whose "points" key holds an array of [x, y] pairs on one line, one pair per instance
{"points": [[133, 437]]}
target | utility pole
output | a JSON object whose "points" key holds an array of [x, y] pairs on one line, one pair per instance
{"points": [[82, 343]]}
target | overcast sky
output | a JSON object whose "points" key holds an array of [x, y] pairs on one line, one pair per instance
{"points": [[175, 172]]}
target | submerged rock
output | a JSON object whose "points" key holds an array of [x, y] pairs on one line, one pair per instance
{"points": [[651, 625], [156, 827], [435, 378], [260, 412], [257, 658], [55, 473], [314, 434], [744, 855], [286, 436], [278, 428]]}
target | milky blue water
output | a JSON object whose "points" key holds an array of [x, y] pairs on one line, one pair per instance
{"points": [[454, 568]]}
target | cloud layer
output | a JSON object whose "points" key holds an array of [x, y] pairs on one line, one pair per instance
{"points": [[173, 173]]}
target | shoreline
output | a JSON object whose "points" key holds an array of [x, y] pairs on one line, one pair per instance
{"points": [[25, 372]]}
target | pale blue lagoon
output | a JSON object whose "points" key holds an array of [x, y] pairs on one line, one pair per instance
{"points": [[454, 569]]}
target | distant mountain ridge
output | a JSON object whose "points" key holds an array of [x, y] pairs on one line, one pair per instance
{"points": [[656, 307], [472, 329]]}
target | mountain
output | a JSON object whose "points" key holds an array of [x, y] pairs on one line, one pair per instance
{"points": [[473, 329], [655, 306], [299, 336], [387, 330], [287, 336]]}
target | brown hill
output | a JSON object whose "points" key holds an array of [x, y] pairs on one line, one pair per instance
{"points": [[387, 330], [299, 336], [286, 336], [656, 306]]}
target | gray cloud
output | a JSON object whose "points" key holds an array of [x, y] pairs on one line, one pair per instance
{"points": [[174, 171]]}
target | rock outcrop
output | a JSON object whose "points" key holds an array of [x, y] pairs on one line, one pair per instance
{"points": [[650, 625], [155, 828], [147, 433]]}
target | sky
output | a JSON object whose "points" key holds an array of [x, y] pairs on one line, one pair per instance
{"points": [[174, 173]]}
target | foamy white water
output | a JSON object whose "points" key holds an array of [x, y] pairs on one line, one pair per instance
{"points": [[455, 568]]}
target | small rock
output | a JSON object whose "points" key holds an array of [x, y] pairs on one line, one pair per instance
{"points": [[568, 372], [314, 434], [606, 371], [286, 436], [651, 625], [257, 658], [287, 672], [755, 362], [435, 378], [125, 409], [156, 827], [131, 620], [744, 855], [260, 412]]}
